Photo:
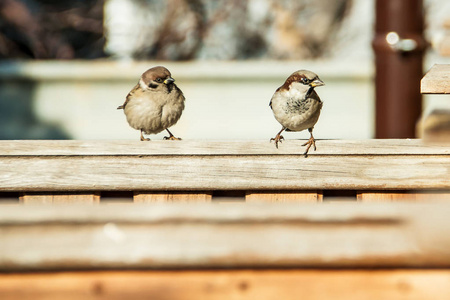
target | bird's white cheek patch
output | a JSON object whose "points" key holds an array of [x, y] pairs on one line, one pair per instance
{"points": [[143, 85], [297, 90]]}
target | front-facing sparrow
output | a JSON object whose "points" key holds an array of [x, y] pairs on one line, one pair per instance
{"points": [[154, 104], [296, 105]]}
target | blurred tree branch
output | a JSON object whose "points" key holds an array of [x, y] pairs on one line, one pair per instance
{"points": [[51, 29]]}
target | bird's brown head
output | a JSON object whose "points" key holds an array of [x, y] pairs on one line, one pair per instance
{"points": [[155, 78], [302, 79]]}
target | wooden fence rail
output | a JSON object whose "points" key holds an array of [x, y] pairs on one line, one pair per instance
{"points": [[160, 171], [180, 236], [205, 251], [227, 250]]}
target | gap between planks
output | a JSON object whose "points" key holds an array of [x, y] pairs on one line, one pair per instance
{"points": [[250, 197], [167, 197]]}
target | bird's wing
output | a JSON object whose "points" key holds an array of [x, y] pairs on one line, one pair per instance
{"points": [[278, 89], [178, 90], [128, 97]]}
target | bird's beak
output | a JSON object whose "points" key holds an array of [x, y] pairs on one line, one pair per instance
{"points": [[169, 80], [317, 82]]}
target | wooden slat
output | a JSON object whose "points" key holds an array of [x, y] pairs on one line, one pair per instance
{"points": [[281, 196], [229, 284], [145, 197], [58, 166], [411, 196], [436, 80], [53, 148], [59, 198], [224, 236], [203, 173]]}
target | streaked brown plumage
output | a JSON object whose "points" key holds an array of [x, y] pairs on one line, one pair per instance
{"points": [[154, 104], [296, 105]]}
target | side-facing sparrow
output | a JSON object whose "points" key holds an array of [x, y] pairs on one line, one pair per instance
{"points": [[154, 104], [296, 105]]}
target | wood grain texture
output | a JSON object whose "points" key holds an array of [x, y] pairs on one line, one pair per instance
{"points": [[259, 235], [59, 166], [283, 196], [229, 284], [59, 198], [203, 173], [436, 80], [32, 166], [410, 196], [53, 148], [145, 197]]}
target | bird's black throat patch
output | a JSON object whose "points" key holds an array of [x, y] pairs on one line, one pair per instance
{"points": [[308, 93], [169, 87]]}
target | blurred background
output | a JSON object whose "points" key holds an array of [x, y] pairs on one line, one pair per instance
{"points": [[66, 65]]}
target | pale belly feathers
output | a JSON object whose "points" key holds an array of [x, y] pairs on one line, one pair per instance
{"points": [[293, 114], [153, 115]]}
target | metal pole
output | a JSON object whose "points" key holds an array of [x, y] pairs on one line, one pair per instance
{"points": [[399, 46]]}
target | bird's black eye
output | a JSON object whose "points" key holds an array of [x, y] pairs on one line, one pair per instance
{"points": [[305, 80], [159, 79]]}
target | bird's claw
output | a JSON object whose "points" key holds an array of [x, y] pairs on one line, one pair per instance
{"points": [[278, 138], [172, 138], [309, 143]]}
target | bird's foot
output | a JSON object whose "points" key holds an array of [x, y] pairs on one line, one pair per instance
{"points": [[143, 138], [276, 139], [309, 143], [172, 138]]}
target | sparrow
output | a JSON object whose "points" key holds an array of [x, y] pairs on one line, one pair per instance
{"points": [[296, 105], [154, 104]]}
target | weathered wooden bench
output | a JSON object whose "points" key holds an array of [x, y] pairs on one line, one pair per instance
{"points": [[94, 171], [327, 241]]}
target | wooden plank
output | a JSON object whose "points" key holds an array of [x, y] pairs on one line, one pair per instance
{"points": [[282, 196], [436, 80], [53, 148], [59, 198], [217, 172], [229, 284], [194, 165], [409, 196], [224, 236], [146, 197]]}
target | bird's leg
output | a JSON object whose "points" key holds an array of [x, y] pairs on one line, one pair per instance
{"points": [[278, 137], [143, 138], [171, 137], [310, 142]]}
